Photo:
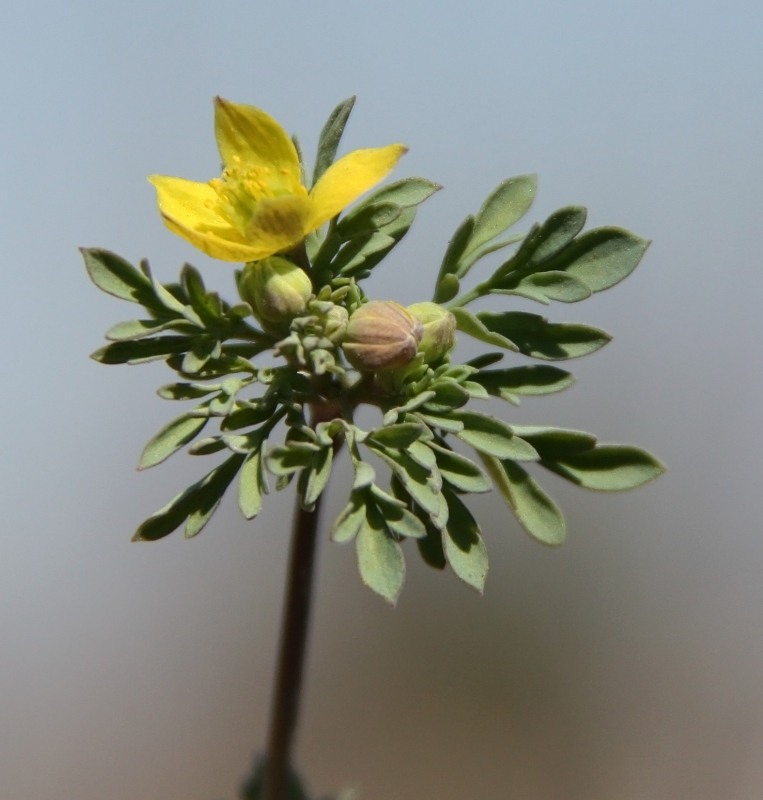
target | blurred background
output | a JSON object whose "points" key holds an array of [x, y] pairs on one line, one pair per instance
{"points": [[627, 664]]}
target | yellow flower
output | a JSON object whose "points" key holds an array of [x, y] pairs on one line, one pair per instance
{"points": [[259, 206]]}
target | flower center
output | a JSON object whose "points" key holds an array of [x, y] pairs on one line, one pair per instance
{"points": [[242, 186]]}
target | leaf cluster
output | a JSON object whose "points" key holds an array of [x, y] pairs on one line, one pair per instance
{"points": [[414, 472]]}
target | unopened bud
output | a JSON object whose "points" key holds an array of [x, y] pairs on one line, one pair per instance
{"points": [[335, 324], [277, 291], [439, 325], [381, 335]]}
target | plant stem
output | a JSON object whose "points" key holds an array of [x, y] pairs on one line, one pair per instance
{"points": [[291, 659]]}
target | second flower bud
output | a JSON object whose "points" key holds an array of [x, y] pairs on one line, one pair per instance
{"points": [[381, 335], [277, 291]]}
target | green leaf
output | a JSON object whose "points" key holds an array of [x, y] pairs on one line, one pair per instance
{"points": [[352, 516], [406, 192], [463, 545], [367, 218], [202, 350], [535, 379], [602, 257], [396, 516], [251, 483], [447, 289], [431, 548], [555, 234], [507, 204], [537, 337], [365, 474], [536, 512], [208, 446], [384, 206], [484, 360], [493, 437], [419, 483], [290, 458], [206, 305], [455, 251], [380, 559], [142, 328], [422, 455], [331, 135], [412, 404], [449, 394], [117, 277], [555, 442], [171, 438], [553, 285], [313, 479], [351, 259], [448, 423], [196, 504], [402, 434], [608, 467], [472, 325], [459, 471], [142, 350], [394, 233]]}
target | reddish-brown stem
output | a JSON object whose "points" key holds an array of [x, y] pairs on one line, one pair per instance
{"points": [[291, 659]]}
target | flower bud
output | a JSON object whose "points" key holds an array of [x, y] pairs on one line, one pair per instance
{"points": [[277, 291], [381, 335], [439, 326], [335, 324]]}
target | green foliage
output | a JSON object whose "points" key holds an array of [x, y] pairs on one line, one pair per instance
{"points": [[414, 472]]}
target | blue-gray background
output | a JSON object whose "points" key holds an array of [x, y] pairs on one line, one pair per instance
{"points": [[628, 663]]}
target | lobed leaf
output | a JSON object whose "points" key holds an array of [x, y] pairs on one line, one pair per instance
{"points": [[207, 306], [352, 516], [602, 257], [493, 437], [313, 478], [554, 442], [463, 545], [330, 136], [534, 509], [290, 458], [141, 350], [251, 483], [402, 434], [115, 276], [556, 233], [607, 468], [367, 218], [194, 506], [552, 285], [459, 471], [380, 559], [534, 379], [456, 248], [472, 325], [406, 192], [507, 204], [537, 337], [171, 438]]}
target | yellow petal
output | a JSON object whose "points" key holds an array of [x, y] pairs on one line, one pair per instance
{"points": [[345, 180], [188, 209], [214, 245], [247, 135], [191, 203], [278, 224]]}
